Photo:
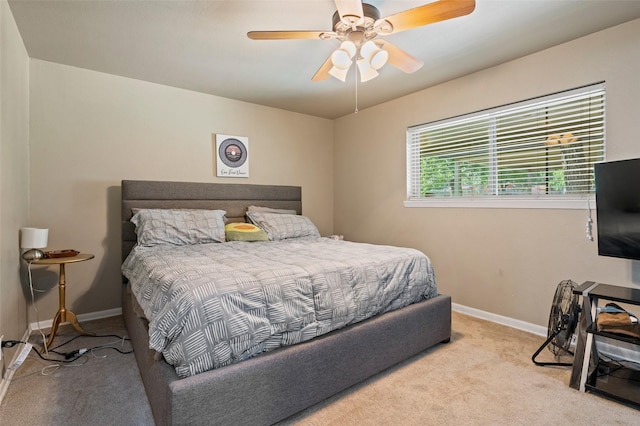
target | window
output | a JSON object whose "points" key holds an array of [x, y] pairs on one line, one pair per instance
{"points": [[538, 150]]}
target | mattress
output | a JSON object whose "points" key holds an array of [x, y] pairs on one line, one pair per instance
{"points": [[210, 305]]}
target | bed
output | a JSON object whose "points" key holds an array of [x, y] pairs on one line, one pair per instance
{"points": [[271, 386]]}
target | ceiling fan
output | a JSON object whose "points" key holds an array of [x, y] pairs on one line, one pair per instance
{"points": [[357, 26]]}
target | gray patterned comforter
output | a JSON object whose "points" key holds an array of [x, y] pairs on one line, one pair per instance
{"points": [[210, 305]]}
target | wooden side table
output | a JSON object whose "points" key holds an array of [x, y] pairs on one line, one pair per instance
{"points": [[64, 315]]}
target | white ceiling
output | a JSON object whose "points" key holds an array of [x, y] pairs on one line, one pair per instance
{"points": [[202, 45]]}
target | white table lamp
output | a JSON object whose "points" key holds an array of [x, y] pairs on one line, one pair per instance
{"points": [[33, 239]]}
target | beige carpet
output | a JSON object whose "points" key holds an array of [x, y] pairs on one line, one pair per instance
{"points": [[483, 377]]}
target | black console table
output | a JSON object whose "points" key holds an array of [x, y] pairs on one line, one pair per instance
{"points": [[593, 373]]}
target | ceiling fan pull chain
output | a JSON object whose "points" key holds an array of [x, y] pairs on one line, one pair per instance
{"points": [[356, 75]]}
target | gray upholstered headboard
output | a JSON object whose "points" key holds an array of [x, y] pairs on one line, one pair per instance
{"points": [[233, 198]]}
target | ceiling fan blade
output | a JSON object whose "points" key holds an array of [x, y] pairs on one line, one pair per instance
{"points": [[429, 13], [288, 35], [399, 58], [323, 71], [350, 10]]}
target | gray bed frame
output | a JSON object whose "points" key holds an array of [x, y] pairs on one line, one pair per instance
{"points": [[272, 386]]}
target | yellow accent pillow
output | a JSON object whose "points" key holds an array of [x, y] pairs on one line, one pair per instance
{"points": [[244, 232]]}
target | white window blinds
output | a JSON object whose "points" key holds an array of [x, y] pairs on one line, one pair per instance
{"points": [[542, 148]]}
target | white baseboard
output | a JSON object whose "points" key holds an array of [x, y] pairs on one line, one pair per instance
{"points": [[511, 322], [619, 350], [81, 317]]}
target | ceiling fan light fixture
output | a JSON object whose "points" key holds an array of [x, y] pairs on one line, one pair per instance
{"points": [[379, 58], [339, 73], [366, 70], [349, 47], [340, 59], [342, 56], [367, 49], [375, 56]]}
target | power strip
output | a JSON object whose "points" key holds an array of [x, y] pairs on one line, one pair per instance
{"points": [[574, 339], [23, 355]]}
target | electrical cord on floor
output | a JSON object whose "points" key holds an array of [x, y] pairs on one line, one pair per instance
{"points": [[89, 335], [77, 353], [70, 357]]}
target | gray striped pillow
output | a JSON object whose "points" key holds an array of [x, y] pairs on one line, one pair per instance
{"points": [[282, 226], [179, 226]]}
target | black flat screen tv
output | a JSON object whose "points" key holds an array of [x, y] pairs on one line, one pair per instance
{"points": [[618, 208]]}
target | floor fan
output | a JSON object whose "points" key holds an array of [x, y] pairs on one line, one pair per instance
{"points": [[563, 321]]}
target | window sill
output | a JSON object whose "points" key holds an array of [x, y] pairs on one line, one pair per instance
{"points": [[506, 203]]}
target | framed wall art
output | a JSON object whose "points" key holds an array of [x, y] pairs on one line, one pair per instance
{"points": [[232, 156]]}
